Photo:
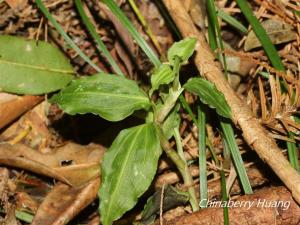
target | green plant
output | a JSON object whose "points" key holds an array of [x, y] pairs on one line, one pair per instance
{"points": [[130, 163]]}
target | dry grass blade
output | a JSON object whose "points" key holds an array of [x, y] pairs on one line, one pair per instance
{"points": [[264, 111]]}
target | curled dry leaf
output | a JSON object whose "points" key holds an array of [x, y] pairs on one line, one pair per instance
{"points": [[84, 161], [64, 202], [12, 106], [278, 32]]}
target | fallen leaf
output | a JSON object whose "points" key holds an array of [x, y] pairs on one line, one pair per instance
{"points": [[64, 202], [28, 67], [12, 106], [17, 4], [84, 161], [278, 32]]}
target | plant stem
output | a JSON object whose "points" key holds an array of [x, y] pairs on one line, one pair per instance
{"points": [[182, 167], [168, 106], [179, 144], [175, 92]]}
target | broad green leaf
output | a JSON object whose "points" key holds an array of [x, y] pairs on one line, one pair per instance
{"points": [[162, 75], [209, 95], [128, 168], [182, 49], [30, 67], [109, 96]]}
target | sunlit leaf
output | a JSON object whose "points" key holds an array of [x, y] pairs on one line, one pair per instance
{"points": [[109, 96], [30, 67], [162, 75], [128, 168], [182, 49], [209, 95]]}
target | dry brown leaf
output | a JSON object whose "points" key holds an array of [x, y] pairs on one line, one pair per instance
{"points": [[278, 32], [64, 202], [124, 34], [12, 106], [10, 218], [125, 58], [84, 161], [197, 11], [17, 4], [25, 202]]}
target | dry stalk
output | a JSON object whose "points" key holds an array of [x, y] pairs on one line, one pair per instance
{"points": [[254, 134]]}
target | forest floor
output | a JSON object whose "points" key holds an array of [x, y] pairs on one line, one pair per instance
{"points": [[49, 159]]}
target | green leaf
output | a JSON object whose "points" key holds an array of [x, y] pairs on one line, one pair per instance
{"points": [[61, 31], [209, 95], [112, 5], [261, 35], [236, 155], [109, 96], [278, 32], [232, 21], [171, 122], [162, 75], [182, 49], [172, 197], [30, 67], [202, 156], [99, 43], [128, 168]]}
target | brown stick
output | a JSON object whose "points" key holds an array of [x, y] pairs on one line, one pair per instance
{"points": [[268, 206], [254, 134]]}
